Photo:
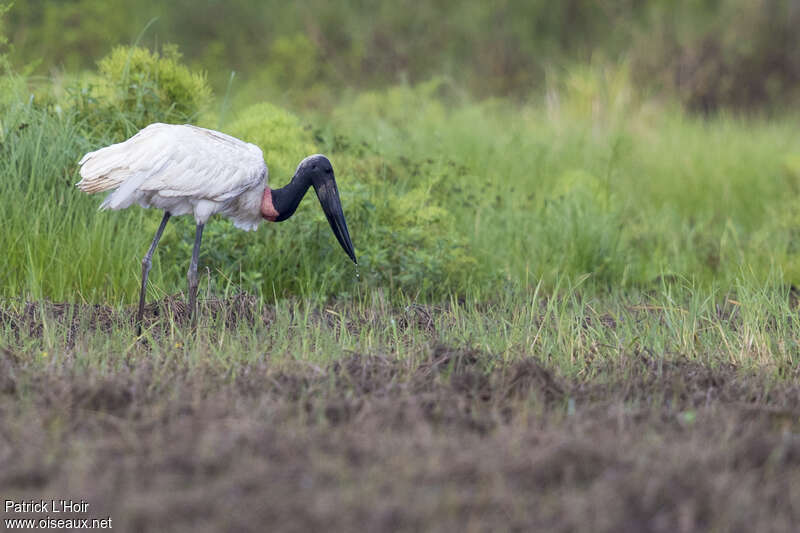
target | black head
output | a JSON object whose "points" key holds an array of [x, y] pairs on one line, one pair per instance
{"points": [[319, 171]]}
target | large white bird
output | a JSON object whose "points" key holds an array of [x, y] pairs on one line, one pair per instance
{"points": [[184, 170]]}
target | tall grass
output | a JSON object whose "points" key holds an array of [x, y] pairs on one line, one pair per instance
{"points": [[573, 330], [54, 244], [626, 198], [524, 194]]}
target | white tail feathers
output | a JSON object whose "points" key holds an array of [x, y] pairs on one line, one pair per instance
{"points": [[99, 171], [107, 169], [127, 194]]}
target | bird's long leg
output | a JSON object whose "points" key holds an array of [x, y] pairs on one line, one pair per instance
{"points": [[192, 274], [146, 264]]}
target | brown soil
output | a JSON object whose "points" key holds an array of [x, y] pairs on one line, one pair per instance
{"points": [[458, 442]]}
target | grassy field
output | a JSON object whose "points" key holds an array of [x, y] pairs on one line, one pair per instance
{"points": [[577, 312], [466, 200], [565, 415]]}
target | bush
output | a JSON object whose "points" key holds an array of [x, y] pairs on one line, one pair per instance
{"points": [[408, 238], [278, 133], [135, 87]]}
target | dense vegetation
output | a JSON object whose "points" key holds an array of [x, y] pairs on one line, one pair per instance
{"points": [[446, 195]]}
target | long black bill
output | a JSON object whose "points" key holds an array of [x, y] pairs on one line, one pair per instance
{"points": [[328, 195]]}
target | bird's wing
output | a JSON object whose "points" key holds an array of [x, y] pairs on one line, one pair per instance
{"points": [[176, 160]]}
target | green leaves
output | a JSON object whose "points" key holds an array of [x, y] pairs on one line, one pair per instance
{"points": [[279, 134], [135, 87]]}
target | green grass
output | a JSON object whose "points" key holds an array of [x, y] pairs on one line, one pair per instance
{"points": [[598, 412], [521, 195], [576, 331], [531, 216], [543, 193]]}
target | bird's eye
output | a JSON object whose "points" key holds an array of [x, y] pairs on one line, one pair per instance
{"points": [[328, 170], [314, 167]]}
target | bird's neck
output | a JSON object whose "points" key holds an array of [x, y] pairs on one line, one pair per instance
{"points": [[279, 204]]}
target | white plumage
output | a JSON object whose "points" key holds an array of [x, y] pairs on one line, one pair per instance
{"points": [[181, 169]]}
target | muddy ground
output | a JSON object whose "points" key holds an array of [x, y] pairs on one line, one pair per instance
{"points": [[458, 441]]}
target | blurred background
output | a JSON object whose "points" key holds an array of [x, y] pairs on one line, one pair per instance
{"points": [[708, 54]]}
